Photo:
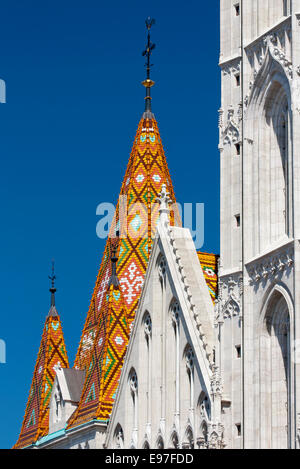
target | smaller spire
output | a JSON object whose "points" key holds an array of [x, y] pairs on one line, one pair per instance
{"points": [[114, 259], [52, 290], [148, 83]]}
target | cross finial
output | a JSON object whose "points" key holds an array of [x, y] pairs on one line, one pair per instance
{"points": [[52, 290], [148, 83], [164, 201]]}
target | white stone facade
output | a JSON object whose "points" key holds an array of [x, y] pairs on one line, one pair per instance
{"points": [[176, 398], [259, 137]]}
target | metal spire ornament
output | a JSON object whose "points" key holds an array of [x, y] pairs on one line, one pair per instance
{"points": [[148, 83], [52, 290]]}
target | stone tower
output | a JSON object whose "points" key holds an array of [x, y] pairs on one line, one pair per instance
{"points": [[258, 310]]}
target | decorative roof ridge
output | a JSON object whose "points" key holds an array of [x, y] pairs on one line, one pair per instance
{"points": [[188, 295]]}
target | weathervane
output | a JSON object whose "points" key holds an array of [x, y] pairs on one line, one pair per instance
{"points": [[148, 83], [52, 290]]}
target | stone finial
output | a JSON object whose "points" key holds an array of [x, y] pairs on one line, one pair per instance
{"points": [[164, 201]]}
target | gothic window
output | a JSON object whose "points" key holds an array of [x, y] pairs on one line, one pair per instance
{"points": [[203, 439], [278, 130], [175, 321], [271, 193], [189, 358], [189, 361], [174, 441], [283, 145], [162, 268], [133, 384], [147, 326], [188, 440], [146, 445], [118, 437], [175, 313], [275, 374], [160, 443], [204, 407]]}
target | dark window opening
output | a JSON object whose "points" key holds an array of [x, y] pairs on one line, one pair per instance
{"points": [[238, 351], [238, 80], [237, 9], [238, 220], [238, 148], [239, 429]]}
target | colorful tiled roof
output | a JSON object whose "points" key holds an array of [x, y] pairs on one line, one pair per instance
{"points": [[52, 352], [209, 264], [107, 357], [136, 218]]}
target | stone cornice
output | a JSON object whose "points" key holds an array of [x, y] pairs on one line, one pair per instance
{"points": [[230, 61], [268, 31], [271, 265]]}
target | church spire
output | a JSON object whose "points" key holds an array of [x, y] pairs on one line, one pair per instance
{"points": [[148, 83], [122, 270], [52, 352]]}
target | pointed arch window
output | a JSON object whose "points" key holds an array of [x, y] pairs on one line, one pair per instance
{"points": [[272, 207], [133, 384], [174, 440], [160, 443], [175, 309], [189, 360], [275, 374], [119, 437], [283, 144], [147, 324], [188, 441], [162, 269]]}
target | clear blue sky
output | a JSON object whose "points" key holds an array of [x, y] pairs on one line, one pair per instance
{"points": [[73, 71]]}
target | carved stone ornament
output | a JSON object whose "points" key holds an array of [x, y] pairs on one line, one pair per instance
{"points": [[215, 440], [270, 267], [270, 44], [231, 133], [229, 301], [216, 382]]}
